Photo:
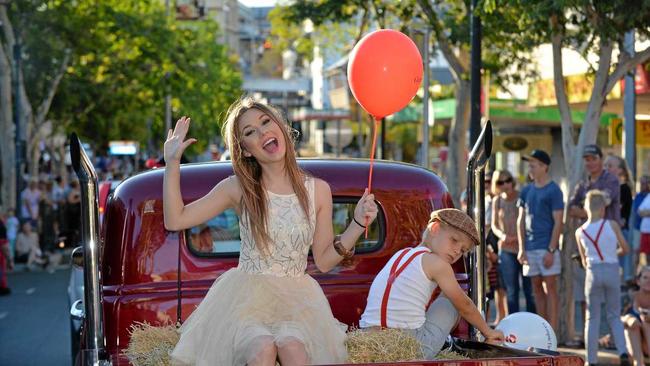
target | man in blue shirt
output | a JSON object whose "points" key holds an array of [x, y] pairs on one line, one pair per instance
{"points": [[538, 227]]}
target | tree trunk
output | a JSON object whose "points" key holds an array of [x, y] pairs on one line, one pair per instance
{"points": [[7, 146], [457, 157], [574, 166]]}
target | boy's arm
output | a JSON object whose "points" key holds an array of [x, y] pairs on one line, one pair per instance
{"points": [[623, 247], [441, 272], [521, 234], [557, 230], [583, 259]]}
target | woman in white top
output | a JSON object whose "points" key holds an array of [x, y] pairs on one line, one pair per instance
{"points": [[600, 243]]}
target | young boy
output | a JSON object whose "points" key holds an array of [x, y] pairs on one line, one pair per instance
{"points": [[400, 296], [600, 242]]}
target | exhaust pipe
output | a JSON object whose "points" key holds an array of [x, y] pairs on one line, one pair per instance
{"points": [[478, 158], [94, 352]]}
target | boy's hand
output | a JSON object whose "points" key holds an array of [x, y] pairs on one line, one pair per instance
{"points": [[494, 336], [548, 260]]}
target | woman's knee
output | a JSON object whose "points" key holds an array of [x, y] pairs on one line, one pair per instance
{"points": [[292, 352], [265, 351]]}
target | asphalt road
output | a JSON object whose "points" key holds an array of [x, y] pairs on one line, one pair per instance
{"points": [[34, 319]]}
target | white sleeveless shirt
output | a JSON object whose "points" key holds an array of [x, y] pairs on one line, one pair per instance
{"points": [[409, 295], [607, 242]]}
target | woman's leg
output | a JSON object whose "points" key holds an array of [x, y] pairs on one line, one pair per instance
{"points": [[500, 299], [645, 337], [264, 352], [510, 272], [527, 286], [292, 352], [633, 338]]}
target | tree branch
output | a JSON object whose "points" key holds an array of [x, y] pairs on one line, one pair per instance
{"points": [[381, 17], [560, 93], [456, 65], [362, 26], [624, 67], [8, 32], [47, 101]]}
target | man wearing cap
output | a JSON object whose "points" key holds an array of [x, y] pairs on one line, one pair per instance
{"points": [[598, 178], [539, 225]]}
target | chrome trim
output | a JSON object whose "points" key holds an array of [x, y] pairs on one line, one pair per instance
{"points": [[76, 257], [94, 351], [77, 311], [476, 163]]}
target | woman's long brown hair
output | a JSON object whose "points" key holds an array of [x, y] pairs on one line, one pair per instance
{"points": [[253, 202]]}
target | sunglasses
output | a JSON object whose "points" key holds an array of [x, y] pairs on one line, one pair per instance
{"points": [[502, 182]]}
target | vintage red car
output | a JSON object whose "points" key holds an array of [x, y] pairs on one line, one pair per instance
{"points": [[147, 274]]}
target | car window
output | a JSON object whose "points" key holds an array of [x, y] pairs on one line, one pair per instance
{"points": [[219, 237]]}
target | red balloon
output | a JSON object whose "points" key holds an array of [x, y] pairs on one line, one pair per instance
{"points": [[384, 72]]}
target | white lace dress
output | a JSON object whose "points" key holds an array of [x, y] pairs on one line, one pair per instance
{"points": [[265, 296]]}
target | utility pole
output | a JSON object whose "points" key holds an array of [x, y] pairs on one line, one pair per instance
{"points": [[20, 134], [629, 111], [425, 101], [475, 76]]}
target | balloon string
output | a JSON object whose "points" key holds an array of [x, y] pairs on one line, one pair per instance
{"points": [[372, 159]]}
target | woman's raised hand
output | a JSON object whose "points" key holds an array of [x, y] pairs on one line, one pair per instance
{"points": [[176, 143], [366, 210]]}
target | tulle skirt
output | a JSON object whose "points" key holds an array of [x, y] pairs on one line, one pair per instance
{"points": [[241, 309]]}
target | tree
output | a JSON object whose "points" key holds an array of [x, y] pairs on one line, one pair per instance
{"points": [[590, 28], [116, 89], [449, 22], [50, 72], [102, 69]]}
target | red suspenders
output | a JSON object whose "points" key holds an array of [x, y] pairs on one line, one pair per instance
{"points": [[595, 242], [394, 272]]}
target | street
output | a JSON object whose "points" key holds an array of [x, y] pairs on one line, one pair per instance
{"points": [[34, 319]]}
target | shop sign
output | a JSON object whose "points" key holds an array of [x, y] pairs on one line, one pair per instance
{"points": [[642, 132], [578, 89]]}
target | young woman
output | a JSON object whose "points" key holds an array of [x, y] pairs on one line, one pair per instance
{"points": [[267, 308], [504, 226]]}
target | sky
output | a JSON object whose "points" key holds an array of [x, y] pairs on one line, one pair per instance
{"points": [[255, 3]]}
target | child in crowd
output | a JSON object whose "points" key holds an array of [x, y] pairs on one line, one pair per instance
{"points": [[28, 248], [13, 224], [6, 261], [401, 294], [637, 319], [600, 243]]}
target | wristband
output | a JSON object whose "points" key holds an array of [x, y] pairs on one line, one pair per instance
{"points": [[341, 250], [357, 222]]}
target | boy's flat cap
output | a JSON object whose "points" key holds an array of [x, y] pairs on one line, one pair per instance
{"points": [[457, 219]]}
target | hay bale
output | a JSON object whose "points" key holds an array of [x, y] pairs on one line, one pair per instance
{"points": [[386, 345], [450, 355], [151, 345]]}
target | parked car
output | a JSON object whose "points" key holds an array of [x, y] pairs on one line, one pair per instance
{"points": [[106, 188], [144, 273]]}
